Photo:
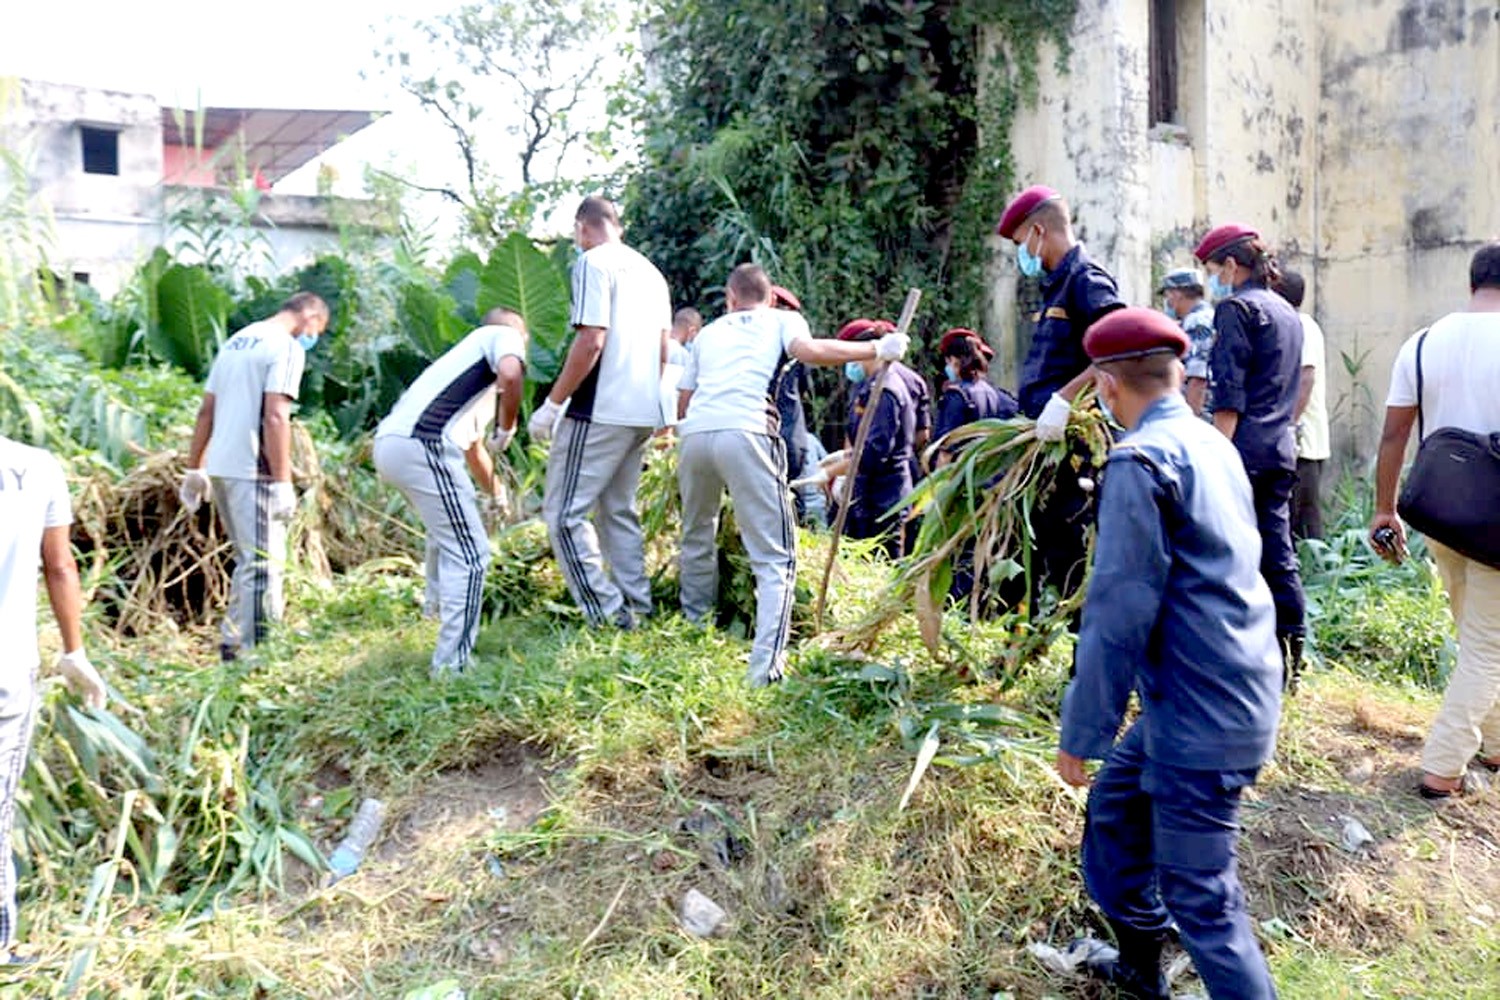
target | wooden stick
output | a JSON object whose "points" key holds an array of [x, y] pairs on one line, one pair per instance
{"points": [[908, 311]]}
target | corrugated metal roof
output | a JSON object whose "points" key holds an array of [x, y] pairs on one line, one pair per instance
{"points": [[277, 140]]}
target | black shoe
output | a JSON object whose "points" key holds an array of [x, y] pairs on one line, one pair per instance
{"points": [[228, 653], [1291, 662], [1136, 974]]}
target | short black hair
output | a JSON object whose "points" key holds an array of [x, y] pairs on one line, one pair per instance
{"points": [[596, 211], [503, 316], [1484, 269], [750, 285], [302, 302], [1151, 373], [1292, 287], [688, 316]]}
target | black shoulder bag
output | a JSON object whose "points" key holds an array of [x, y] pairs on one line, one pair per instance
{"points": [[1452, 493]]}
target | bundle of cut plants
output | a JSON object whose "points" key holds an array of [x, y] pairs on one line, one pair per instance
{"points": [[148, 562], [976, 515]]}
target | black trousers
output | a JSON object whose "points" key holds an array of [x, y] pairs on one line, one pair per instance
{"points": [[1272, 489], [1307, 513]]}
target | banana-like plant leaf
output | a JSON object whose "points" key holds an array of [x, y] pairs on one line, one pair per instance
{"points": [[20, 417], [521, 277], [431, 319], [192, 314]]}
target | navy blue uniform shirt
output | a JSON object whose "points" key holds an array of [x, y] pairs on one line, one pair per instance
{"points": [[921, 402], [1074, 294], [965, 402], [1256, 368], [885, 468], [1177, 609]]}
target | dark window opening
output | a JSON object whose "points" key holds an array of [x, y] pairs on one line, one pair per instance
{"points": [[1163, 44], [101, 150], [80, 277]]}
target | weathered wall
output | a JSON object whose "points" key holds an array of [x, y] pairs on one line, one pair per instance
{"points": [[1408, 181], [1362, 137], [99, 223]]}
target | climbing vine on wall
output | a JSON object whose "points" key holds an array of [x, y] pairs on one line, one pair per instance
{"points": [[847, 146]]}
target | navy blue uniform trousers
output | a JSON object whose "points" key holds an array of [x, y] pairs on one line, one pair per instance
{"points": [[1272, 489], [1159, 846]]}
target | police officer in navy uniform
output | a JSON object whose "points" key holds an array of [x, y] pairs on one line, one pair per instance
{"points": [[888, 463], [1256, 367], [1178, 613], [787, 390], [968, 395], [1076, 292]]}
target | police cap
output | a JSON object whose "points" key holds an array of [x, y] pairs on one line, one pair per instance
{"points": [[1221, 238], [1133, 332], [865, 329], [945, 345], [1021, 207]]}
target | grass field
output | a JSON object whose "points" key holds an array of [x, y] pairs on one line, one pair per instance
{"points": [[549, 810]]}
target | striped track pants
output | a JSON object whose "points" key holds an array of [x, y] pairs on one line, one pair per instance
{"points": [[255, 589], [15, 739], [433, 478]]}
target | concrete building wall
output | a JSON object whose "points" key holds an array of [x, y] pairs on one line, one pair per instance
{"points": [[1362, 137], [99, 223]]}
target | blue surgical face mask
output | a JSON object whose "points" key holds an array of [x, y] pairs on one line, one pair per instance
{"points": [[951, 372], [1217, 288], [1029, 263], [307, 340], [854, 372]]}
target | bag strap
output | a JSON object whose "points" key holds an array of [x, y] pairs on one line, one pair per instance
{"points": [[1421, 430]]}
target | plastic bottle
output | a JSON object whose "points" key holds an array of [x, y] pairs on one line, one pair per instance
{"points": [[345, 859]]}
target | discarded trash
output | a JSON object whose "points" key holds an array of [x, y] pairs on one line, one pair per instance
{"points": [[495, 865], [1080, 952], [1355, 837], [700, 916], [346, 857], [448, 989]]}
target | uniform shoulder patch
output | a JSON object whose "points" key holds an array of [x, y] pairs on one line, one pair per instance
{"points": [[1056, 312]]}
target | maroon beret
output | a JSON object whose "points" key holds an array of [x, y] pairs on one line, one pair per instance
{"points": [[1021, 207], [781, 298], [953, 336], [865, 329], [1133, 332], [1222, 238]]}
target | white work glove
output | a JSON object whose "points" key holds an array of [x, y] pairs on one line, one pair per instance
{"points": [[497, 504], [819, 477], [83, 679], [840, 489], [1052, 425], [543, 423], [195, 489], [892, 347], [283, 501], [500, 440]]}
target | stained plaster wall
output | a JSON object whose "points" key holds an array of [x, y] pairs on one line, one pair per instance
{"points": [[98, 223], [1360, 136]]}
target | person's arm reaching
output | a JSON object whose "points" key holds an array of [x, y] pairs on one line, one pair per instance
{"points": [[203, 431], [66, 597], [276, 435], [1304, 391], [1397, 431], [482, 467]]}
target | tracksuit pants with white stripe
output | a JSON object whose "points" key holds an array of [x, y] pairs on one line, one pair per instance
{"points": [[594, 469], [15, 740], [751, 467], [255, 589], [433, 478]]}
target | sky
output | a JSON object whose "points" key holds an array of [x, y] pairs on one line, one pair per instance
{"points": [[267, 53]]}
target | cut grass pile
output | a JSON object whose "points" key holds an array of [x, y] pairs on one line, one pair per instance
{"points": [[550, 810]]}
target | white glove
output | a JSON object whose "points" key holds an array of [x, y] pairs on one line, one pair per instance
{"points": [[543, 423], [195, 489], [500, 440], [891, 347], [83, 679], [1052, 425], [819, 477], [283, 501], [497, 504], [839, 489]]}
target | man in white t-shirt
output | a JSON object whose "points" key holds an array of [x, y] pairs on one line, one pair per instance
{"points": [[1310, 415], [1460, 359], [244, 425], [421, 448], [686, 323], [37, 513], [611, 386], [731, 440]]}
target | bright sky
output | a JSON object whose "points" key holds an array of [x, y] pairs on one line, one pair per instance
{"points": [[264, 53]]}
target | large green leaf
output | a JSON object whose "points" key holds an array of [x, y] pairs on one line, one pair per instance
{"points": [[430, 319], [192, 314], [461, 278], [519, 276]]}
